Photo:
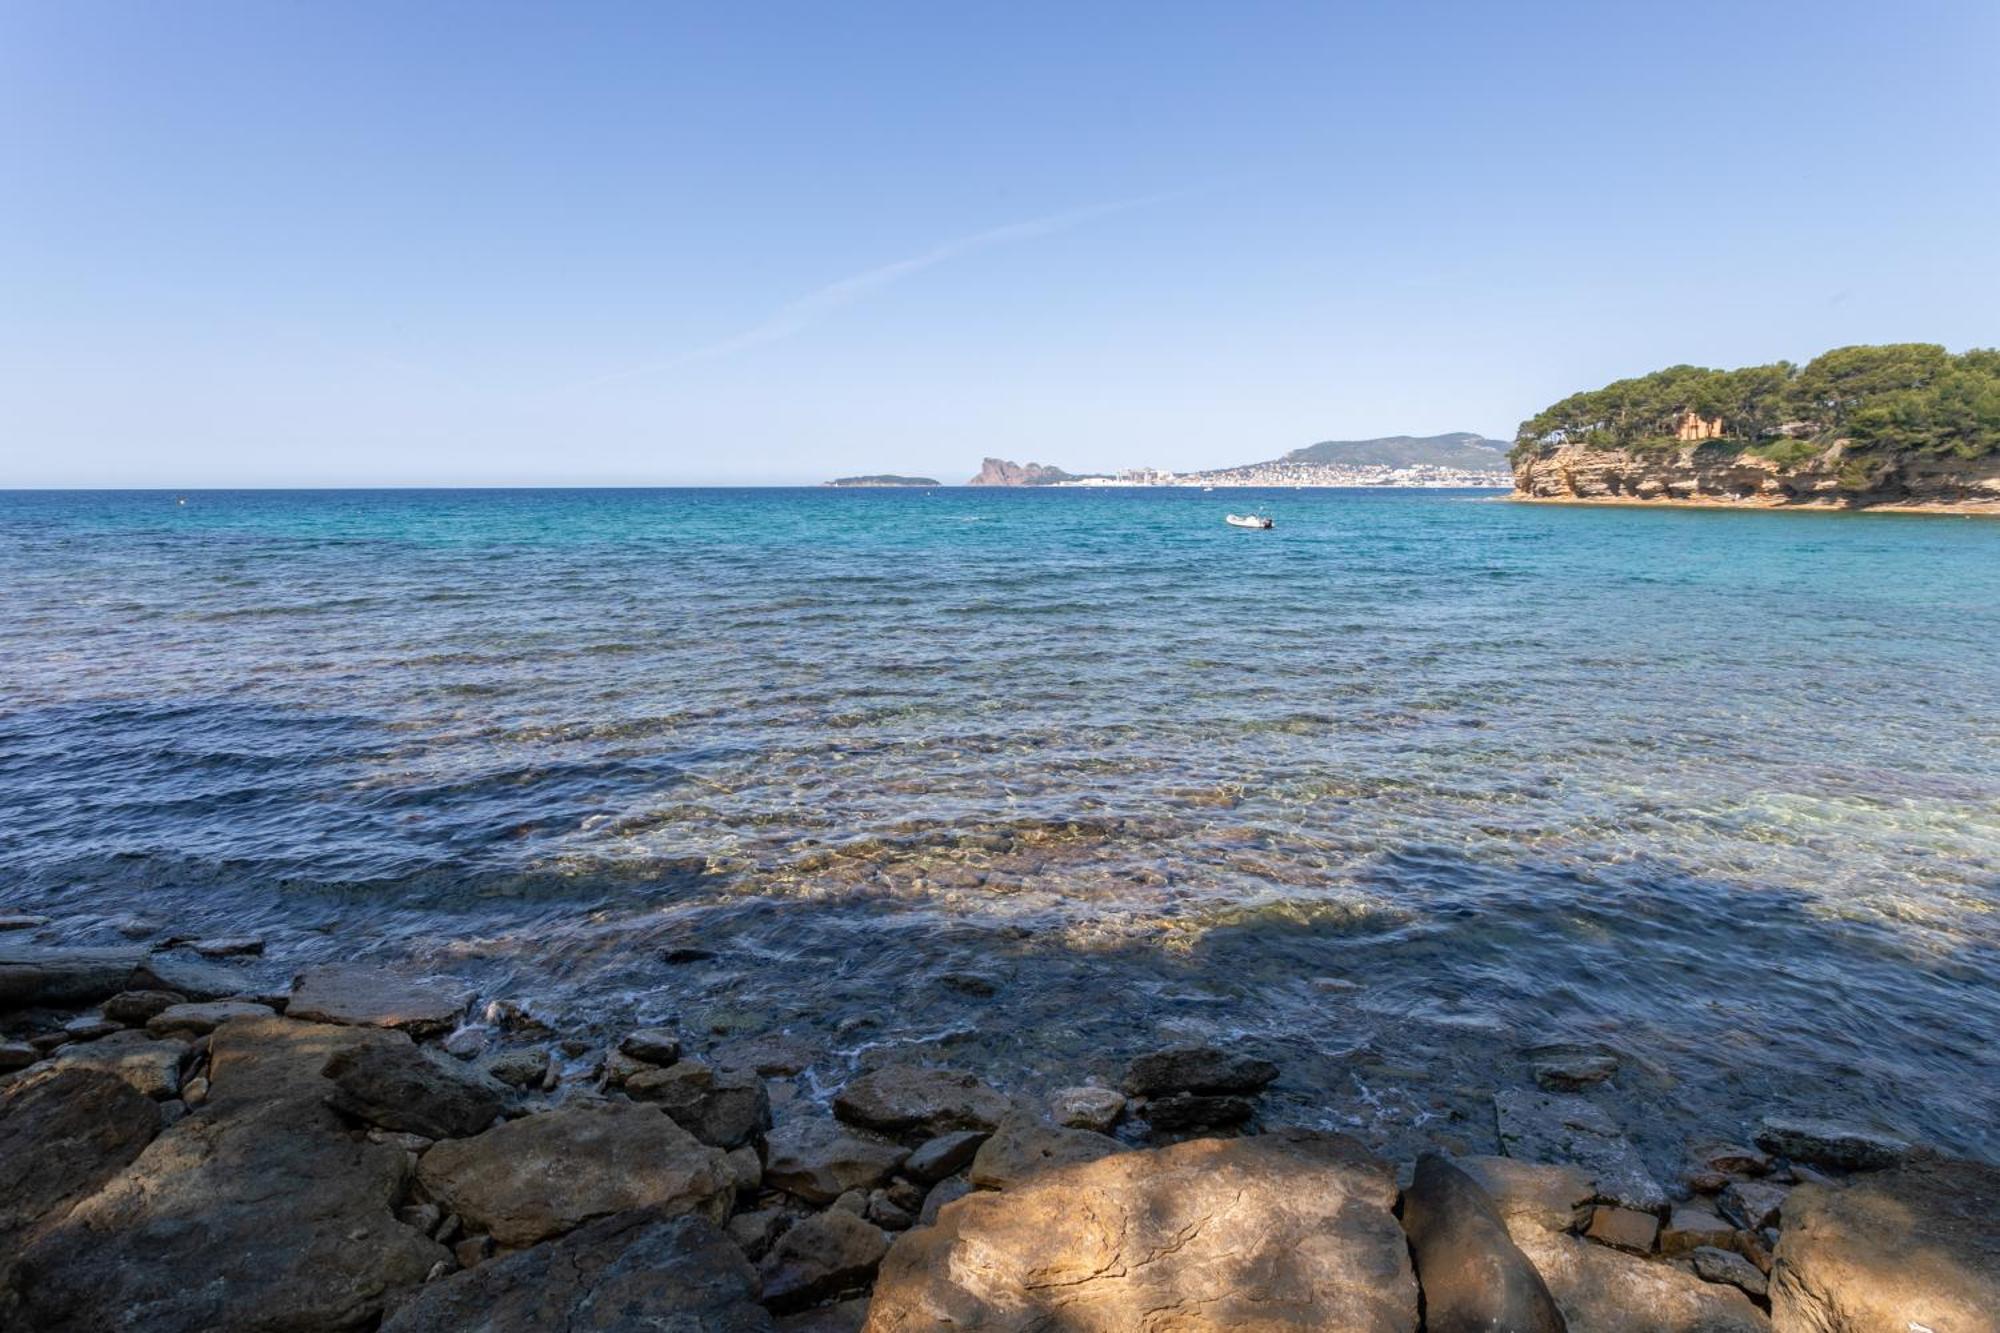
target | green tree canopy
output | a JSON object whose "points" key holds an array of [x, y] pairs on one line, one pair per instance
{"points": [[1889, 400]]}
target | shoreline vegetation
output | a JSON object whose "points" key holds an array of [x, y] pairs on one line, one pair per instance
{"points": [[359, 1148], [1905, 428]]}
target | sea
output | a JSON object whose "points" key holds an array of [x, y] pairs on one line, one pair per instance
{"points": [[1407, 793]]}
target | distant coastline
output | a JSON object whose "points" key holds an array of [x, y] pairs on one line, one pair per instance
{"points": [[882, 479]]}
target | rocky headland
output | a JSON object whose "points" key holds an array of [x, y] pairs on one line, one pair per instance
{"points": [[183, 1147], [1000, 472], [1907, 427], [1722, 476]]}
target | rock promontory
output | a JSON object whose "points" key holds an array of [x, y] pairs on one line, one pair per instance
{"points": [[1906, 427], [1000, 472]]}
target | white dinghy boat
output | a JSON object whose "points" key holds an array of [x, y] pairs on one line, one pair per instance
{"points": [[1247, 521]]}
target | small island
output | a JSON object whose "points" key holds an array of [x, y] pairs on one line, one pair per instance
{"points": [[1904, 427], [882, 479]]}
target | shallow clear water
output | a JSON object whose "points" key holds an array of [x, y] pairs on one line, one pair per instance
{"points": [[1034, 779]]}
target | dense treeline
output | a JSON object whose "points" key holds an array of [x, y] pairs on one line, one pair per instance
{"points": [[1888, 401]]}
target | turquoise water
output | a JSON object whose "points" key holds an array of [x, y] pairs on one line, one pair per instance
{"points": [[1033, 779]]}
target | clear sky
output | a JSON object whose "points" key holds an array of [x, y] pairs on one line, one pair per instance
{"points": [[388, 242]]}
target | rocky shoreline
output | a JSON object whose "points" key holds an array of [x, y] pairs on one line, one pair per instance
{"points": [[1720, 476], [188, 1149]]}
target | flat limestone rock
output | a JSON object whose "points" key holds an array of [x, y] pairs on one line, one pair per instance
{"points": [[369, 997], [260, 1213], [819, 1160], [151, 1066], [1024, 1146], [1828, 1143], [635, 1272], [396, 1086], [61, 1138], [1602, 1290], [1916, 1245], [542, 1175], [1553, 1127], [1543, 1195], [196, 1020], [910, 1099], [64, 977], [1285, 1231]]}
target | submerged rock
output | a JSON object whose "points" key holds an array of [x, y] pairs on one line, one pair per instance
{"points": [[543, 1175], [1915, 1245], [368, 997], [1549, 1127], [1473, 1275], [909, 1099], [1827, 1143], [260, 1213], [1283, 1231], [636, 1272], [395, 1086], [1198, 1069], [1186, 1112]]}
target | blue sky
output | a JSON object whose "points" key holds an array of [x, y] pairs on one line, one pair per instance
{"points": [[390, 243]]}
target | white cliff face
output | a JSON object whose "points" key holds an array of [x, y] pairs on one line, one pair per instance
{"points": [[1708, 474]]}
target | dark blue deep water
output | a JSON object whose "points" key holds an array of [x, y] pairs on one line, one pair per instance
{"points": [[1028, 780]]}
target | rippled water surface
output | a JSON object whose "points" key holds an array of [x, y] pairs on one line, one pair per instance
{"points": [[1029, 780]]}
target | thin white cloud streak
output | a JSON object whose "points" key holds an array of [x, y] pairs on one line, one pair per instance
{"points": [[801, 314]]}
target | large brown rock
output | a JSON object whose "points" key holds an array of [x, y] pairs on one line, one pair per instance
{"points": [[1917, 1245], [909, 1099], [822, 1256], [1024, 1146], [396, 1086], [1602, 1290], [819, 1160], [152, 1067], [723, 1107], [543, 1175], [1285, 1231], [369, 997], [260, 1213], [60, 1139], [635, 1272]]}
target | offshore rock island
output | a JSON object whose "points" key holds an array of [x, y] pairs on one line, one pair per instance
{"points": [[1906, 427], [883, 479]]}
